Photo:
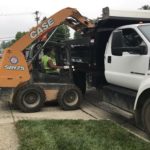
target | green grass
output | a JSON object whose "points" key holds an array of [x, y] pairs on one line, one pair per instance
{"points": [[76, 135]]}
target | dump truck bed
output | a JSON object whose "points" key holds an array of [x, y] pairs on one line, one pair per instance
{"points": [[115, 18]]}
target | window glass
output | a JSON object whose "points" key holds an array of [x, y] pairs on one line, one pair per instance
{"points": [[127, 40], [145, 29], [131, 38]]}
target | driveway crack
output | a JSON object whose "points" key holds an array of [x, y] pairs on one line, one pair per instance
{"points": [[11, 111]]}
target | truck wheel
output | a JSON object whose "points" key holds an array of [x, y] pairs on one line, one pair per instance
{"points": [[146, 115], [69, 97], [30, 98]]}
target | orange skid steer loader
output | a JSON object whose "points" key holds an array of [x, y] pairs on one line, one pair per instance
{"points": [[24, 84]]}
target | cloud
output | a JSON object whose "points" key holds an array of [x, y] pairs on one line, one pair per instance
{"points": [[91, 8]]}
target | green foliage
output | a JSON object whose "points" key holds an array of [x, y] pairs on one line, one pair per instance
{"points": [[145, 7], [62, 33], [77, 35], [18, 35], [5, 44], [76, 135]]}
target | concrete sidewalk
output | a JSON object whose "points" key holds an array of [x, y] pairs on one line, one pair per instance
{"points": [[8, 117], [8, 137]]}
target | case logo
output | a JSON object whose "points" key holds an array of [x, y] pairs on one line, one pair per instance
{"points": [[40, 29]]}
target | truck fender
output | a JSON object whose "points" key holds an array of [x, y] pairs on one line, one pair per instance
{"points": [[143, 88]]}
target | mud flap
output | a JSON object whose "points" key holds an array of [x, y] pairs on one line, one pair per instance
{"points": [[6, 94]]}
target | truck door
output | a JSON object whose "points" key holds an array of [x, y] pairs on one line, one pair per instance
{"points": [[126, 59]]}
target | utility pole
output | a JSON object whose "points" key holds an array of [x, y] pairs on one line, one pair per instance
{"points": [[37, 18]]}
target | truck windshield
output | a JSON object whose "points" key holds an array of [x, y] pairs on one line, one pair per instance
{"points": [[145, 29]]}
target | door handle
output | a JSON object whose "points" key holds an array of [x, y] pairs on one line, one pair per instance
{"points": [[109, 59]]}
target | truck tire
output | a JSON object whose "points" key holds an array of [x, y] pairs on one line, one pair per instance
{"points": [[30, 98], [69, 97], [146, 116]]}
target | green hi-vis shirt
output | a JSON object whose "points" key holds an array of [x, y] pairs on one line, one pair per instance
{"points": [[45, 60]]}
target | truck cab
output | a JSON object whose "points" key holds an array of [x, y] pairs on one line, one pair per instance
{"points": [[127, 56], [127, 65]]}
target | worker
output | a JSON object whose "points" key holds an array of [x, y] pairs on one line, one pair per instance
{"points": [[49, 62]]}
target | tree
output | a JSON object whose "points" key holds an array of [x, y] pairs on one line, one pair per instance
{"points": [[145, 7], [18, 35], [77, 35], [62, 33], [5, 44]]}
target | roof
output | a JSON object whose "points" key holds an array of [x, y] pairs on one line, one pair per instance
{"points": [[133, 25]]}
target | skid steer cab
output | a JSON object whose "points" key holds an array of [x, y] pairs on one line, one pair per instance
{"points": [[46, 86]]}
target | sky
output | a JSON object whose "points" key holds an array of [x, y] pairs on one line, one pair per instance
{"points": [[18, 15]]}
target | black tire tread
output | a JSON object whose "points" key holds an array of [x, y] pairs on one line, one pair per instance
{"points": [[20, 92], [61, 93], [146, 104]]}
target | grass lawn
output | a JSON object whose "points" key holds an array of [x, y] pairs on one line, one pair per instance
{"points": [[76, 135]]}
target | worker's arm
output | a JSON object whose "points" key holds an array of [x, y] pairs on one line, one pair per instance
{"points": [[53, 66]]}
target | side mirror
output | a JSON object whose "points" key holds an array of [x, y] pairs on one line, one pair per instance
{"points": [[117, 43], [117, 51], [142, 49]]}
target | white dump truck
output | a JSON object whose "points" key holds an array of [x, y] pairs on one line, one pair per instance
{"points": [[119, 61], [127, 62]]}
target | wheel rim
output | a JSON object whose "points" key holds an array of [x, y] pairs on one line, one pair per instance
{"points": [[31, 99], [71, 98]]}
